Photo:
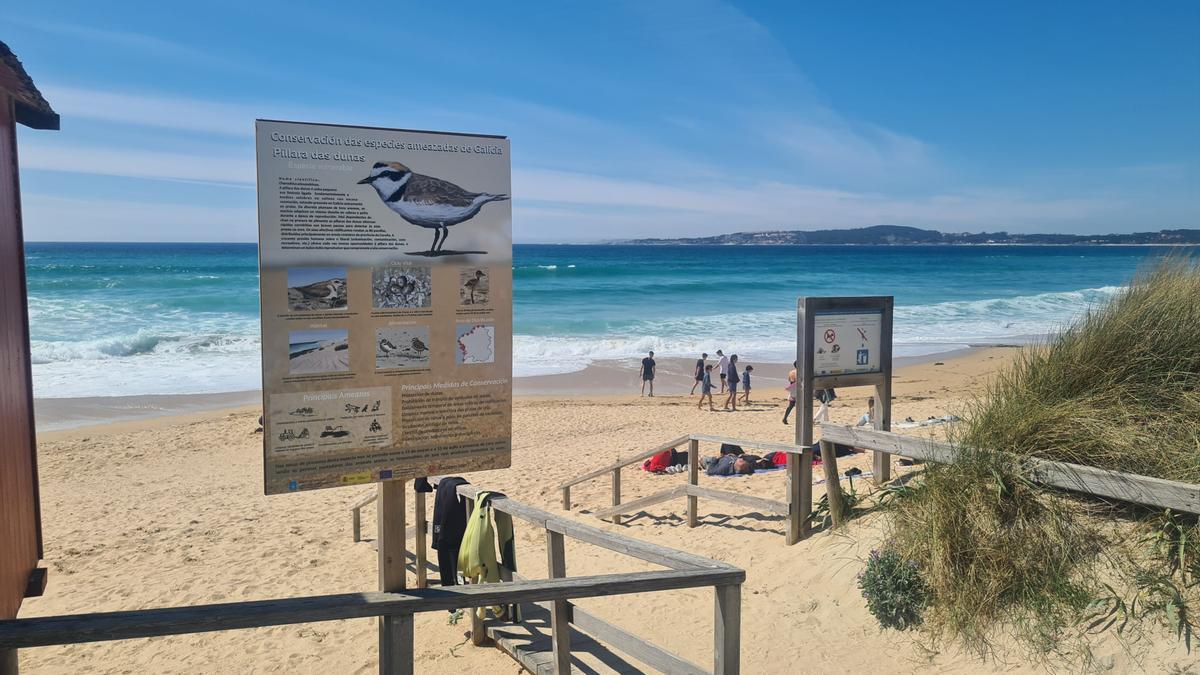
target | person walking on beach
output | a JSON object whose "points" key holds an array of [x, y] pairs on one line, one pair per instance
{"points": [[746, 384], [706, 387], [791, 389], [722, 368], [700, 368], [732, 381], [648, 373]]}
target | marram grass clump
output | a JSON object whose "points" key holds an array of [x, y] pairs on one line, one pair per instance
{"points": [[1003, 557], [1119, 389], [995, 551]]}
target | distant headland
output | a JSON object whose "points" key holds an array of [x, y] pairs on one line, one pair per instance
{"points": [[898, 235]]}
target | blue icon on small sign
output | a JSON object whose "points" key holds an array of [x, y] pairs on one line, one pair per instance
{"points": [[293, 485], [861, 357], [385, 474]]}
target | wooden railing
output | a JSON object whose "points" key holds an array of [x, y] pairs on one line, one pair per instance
{"points": [[796, 508], [684, 570], [1126, 487]]}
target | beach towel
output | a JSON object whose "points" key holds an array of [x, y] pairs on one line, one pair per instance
{"points": [[659, 463]]}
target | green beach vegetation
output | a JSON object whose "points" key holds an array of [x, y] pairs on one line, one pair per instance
{"points": [[1003, 560]]}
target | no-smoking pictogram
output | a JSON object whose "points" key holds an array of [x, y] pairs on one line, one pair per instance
{"points": [[830, 336]]}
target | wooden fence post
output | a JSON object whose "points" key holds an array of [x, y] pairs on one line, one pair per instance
{"points": [[833, 483], [391, 543], [693, 476], [396, 653], [560, 611], [422, 524], [616, 494], [881, 462], [566, 498], [8, 662], [727, 630], [356, 515], [478, 632]]}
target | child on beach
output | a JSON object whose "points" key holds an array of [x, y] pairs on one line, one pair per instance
{"points": [[706, 387], [746, 384]]}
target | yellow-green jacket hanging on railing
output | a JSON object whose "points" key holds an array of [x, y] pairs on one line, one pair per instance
{"points": [[477, 557]]}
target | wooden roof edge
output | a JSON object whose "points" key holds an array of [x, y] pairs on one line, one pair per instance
{"points": [[32, 109]]}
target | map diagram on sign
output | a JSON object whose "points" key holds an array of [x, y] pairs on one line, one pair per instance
{"points": [[476, 343]]}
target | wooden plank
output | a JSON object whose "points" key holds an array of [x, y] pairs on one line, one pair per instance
{"points": [[397, 658], [749, 501], [893, 443], [369, 499], [637, 504], [833, 483], [8, 662], [560, 611], [1126, 487], [693, 506], [616, 494], [747, 443], [422, 527], [1184, 497], [95, 627], [20, 516], [635, 548], [727, 630], [624, 462]]}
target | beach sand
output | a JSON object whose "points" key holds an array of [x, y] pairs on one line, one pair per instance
{"points": [[170, 511], [330, 357]]}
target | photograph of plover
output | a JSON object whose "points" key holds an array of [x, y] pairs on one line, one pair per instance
{"points": [[312, 289], [402, 347], [473, 286], [428, 202]]}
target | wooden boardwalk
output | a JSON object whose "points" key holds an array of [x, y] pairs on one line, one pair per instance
{"points": [[531, 645]]}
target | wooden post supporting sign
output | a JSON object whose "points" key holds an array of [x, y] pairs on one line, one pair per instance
{"points": [[395, 656], [840, 342]]}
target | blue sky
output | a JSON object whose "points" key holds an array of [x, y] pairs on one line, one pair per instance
{"points": [[633, 118]]}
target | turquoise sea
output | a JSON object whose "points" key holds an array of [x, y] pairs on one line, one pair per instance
{"points": [[127, 319]]}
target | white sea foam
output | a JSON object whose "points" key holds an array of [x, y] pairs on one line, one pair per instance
{"points": [[770, 336], [219, 353]]}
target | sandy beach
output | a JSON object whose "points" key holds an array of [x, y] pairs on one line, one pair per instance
{"points": [[170, 511]]}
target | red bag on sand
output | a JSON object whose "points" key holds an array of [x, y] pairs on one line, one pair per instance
{"points": [[658, 463]]}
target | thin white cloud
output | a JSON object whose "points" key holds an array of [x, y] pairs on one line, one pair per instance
{"points": [[126, 39], [54, 218], [162, 112], [40, 153]]}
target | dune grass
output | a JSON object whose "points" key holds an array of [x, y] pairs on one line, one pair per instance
{"points": [[1001, 556], [1120, 389]]}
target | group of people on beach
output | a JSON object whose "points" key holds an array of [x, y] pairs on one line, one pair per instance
{"points": [[727, 370]]}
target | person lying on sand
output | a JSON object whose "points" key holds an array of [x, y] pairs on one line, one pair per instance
{"points": [[727, 465]]}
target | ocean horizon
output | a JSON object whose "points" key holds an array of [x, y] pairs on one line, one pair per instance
{"points": [[127, 319]]}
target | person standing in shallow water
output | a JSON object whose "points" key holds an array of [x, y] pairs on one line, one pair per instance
{"points": [[648, 373], [699, 374]]}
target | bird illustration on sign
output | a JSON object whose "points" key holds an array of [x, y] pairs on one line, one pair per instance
{"points": [[426, 201]]}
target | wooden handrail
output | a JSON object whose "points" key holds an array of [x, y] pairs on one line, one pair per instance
{"points": [[622, 463], [146, 623], [1090, 480]]}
